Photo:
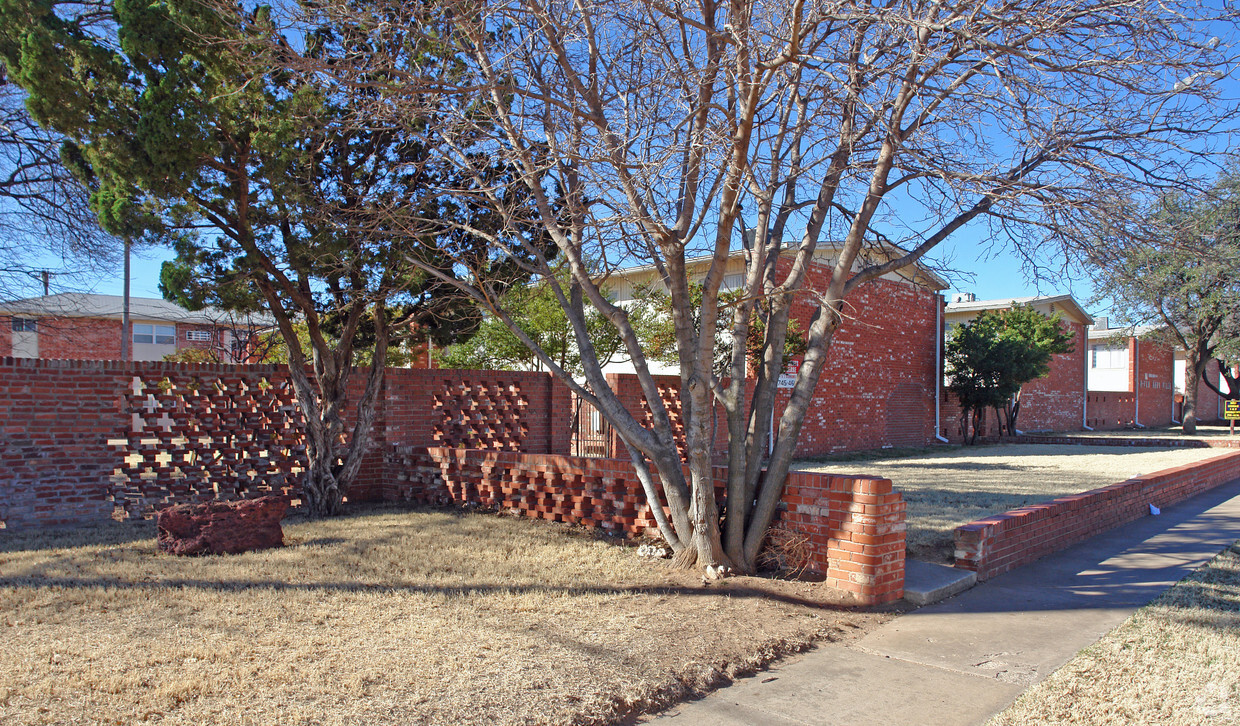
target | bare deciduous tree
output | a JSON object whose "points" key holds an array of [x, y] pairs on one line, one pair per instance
{"points": [[655, 132]]}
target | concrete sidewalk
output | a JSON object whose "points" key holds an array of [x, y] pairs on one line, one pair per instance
{"points": [[965, 659]]}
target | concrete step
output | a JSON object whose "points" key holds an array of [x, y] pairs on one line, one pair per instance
{"points": [[927, 582]]}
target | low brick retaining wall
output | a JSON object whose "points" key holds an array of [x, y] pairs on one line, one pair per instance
{"points": [[1202, 443], [855, 526], [996, 544]]}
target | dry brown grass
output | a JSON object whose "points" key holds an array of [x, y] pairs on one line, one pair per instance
{"points": [[1173, 662], [380, 617], [954, 486]]}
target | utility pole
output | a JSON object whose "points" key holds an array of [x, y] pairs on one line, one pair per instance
{"points": [[125, 336], [47, 276]]}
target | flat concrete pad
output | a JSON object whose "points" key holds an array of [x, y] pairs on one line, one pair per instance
{"points": [[926, 582], [1020, 648], [962, 660], [843, 686]]}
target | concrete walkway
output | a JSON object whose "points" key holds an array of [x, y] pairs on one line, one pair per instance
{"points": [[965, 659]]}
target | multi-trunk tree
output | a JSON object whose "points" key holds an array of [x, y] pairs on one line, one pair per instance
{"points": [[851, 135], [195, 124]]}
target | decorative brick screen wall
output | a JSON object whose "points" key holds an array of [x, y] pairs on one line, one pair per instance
{"points": [[195, 437], [84, 440], [855, 526], [994, 545]]}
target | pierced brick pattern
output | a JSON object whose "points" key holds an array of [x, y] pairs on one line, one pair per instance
{"points": [[856, 526], [481, 415], [996, 544], [80, 441], [196, 438]]}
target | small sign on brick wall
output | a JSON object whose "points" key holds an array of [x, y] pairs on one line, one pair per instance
{"points": [[788, 378]]}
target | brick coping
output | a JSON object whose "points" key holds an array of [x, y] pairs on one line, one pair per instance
{"points": [[1002, 542], [1068, 439]]}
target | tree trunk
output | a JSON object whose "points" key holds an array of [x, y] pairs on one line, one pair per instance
{"points": [[323, 495], [1194, 367]]}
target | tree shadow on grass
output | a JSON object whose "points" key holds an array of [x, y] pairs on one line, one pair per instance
{"points": [[729, 589], [101, 534]]}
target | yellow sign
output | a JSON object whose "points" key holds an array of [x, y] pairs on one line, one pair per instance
{"points": [[1231, 410]]}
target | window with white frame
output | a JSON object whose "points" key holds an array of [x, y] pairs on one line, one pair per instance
{"points": [[198, 336], [148, 334], [1101, 356]]}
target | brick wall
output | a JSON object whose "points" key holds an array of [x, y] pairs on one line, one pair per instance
{"points": [[74, 338], [877, 386], [1150, 383], [1136, 440], [84, 438], [1153, 381], [855, 526], [55, 421], [1052, 403], [63, 338], [1055, 402], [1110, 409], [1209, 406], [996, 544], [88, 440], [876, 389]]}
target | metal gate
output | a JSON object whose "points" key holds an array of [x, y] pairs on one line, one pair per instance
{"points": [[591, 432]]}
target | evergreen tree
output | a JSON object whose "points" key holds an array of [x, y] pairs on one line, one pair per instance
{"points": [[991, 358], [203, 124]]}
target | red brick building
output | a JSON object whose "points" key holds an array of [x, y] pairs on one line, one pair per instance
{"points": [[1055, 402], [1131, 380], [1135, 382], [880, 385], [88, 327]]}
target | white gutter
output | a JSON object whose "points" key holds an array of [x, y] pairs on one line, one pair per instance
{"points": [[1085, 381], [938, 365], [1136, 383]]}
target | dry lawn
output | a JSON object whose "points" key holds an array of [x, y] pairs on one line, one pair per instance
{"points": [[1173, 662], [381, 617], [948, 487]]}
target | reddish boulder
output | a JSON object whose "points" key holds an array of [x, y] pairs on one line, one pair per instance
{"points": [[221, 527]]}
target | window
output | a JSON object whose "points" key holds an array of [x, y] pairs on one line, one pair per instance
{"points": [[147, 334], [1103, 357], [198, 336], [25, 325]]}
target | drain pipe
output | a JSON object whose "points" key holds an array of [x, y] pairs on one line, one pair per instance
{"points": [[1136, 384], [938, 367], [1085, 381]]}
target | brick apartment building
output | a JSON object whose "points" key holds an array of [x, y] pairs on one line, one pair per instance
{"points": [[880, 385], [88, 327], [1055, 402], [1135, 382]]}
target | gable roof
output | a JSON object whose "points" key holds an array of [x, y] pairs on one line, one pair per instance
{"points": [[1067, 303], [89, 305]]}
